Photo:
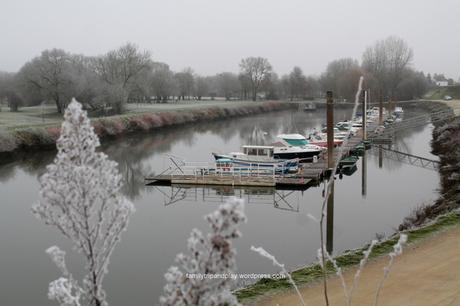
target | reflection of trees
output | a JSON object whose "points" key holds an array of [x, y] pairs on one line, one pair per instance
{"points": [[7, 172]]}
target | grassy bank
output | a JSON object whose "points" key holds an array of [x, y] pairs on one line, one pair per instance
{"points": [[39, 135], [440, 92], [313, 273]]}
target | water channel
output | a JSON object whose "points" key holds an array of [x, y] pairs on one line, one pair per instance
{"points": [[164, 217]]}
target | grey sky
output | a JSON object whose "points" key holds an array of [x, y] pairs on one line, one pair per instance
{"points": [[213, 35]]}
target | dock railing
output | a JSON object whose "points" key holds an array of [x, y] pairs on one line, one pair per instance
{"points": [[199, 170]]}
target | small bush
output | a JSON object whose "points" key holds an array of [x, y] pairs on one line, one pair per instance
{"points": [[8, 142]]}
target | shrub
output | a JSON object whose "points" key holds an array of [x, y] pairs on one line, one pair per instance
{"points": [[8, 142]]}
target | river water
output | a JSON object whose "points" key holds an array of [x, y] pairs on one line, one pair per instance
{"points": [[164, 217]]}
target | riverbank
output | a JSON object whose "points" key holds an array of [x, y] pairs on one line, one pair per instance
{"points": [[37, 135], [271, 292], [427, 273], [445, 144]]}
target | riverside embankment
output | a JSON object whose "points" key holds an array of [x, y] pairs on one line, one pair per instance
{"points": [[438, 215], [34, 136]]}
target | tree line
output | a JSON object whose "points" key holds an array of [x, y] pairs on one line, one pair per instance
{"points": [[128, 74]]}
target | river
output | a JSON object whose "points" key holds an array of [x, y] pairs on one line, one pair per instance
{"points": [[158, 230]]}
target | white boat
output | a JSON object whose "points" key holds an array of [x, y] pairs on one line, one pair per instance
{"points": [[290, 146], [257, 157], [348, 126], [320, 139], [398, 112]]}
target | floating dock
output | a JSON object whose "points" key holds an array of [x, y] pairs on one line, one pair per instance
{"points": [[309, 174]]}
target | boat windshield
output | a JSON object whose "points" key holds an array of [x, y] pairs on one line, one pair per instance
{"points": [[296, 142]]}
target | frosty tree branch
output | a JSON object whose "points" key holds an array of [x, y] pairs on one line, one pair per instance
{"points": [[80, 195], [209, 255]]}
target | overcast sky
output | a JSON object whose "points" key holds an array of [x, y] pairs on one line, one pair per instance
{"points": [[212, 36]]}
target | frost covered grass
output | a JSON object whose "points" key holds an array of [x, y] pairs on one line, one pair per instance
{"points": [[37, 134], [80, 196], [313, 273]]}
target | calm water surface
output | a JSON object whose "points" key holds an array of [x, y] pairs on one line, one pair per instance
{"points": [[159, 229]]}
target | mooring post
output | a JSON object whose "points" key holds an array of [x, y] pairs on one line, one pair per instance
{"points": [[330, 129], [380, 107], [330, 219], [364, 175], [365, 115], [330, 165]]}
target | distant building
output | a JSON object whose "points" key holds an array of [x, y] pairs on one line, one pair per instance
{"points": [[442, 83]]}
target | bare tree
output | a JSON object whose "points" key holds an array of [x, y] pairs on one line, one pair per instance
{"points": [[228, 85], [80, 196], [185, 83], [387, 60], [49, 74], [119, 70], [257, 70], [296, 83], [9, 91], [162, 82], [201, 86], [245, 84], [341, 77]]}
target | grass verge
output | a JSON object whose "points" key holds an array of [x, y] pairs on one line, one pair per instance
{"points": [[312, 273]]}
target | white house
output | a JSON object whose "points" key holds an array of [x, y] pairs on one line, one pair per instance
{"points": [[442, 83]]}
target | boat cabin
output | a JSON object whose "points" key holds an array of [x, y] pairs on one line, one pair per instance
{"points": [[294, 140], [266, 151]]}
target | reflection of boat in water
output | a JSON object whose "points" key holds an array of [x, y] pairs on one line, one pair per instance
{"points": [[348, 170], [280, 199], [348, 161]]}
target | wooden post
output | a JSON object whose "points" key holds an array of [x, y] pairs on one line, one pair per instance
{"points": [[330, 219], [365, 115], [330, 129], [364, 175], [380, 107], [330, 165]]}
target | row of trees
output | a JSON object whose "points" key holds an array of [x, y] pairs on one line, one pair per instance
{"points": [[128, 74]]}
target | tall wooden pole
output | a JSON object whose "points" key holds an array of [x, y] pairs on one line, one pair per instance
{"points": [[330, 165], [365, 115], [330, 129], [380, 107]]}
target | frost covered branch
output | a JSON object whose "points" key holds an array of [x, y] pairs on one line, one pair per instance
{"points": [[275, 262], [80, 195], [397, 250], [205, 277]]}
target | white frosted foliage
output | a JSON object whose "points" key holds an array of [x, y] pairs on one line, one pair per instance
{"points": [[80, 196], [204, 275]]}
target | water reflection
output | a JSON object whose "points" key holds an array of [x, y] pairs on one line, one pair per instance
{"points": [[279, 199]]}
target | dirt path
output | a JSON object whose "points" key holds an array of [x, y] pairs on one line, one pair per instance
{"points": [[428, 273]]}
